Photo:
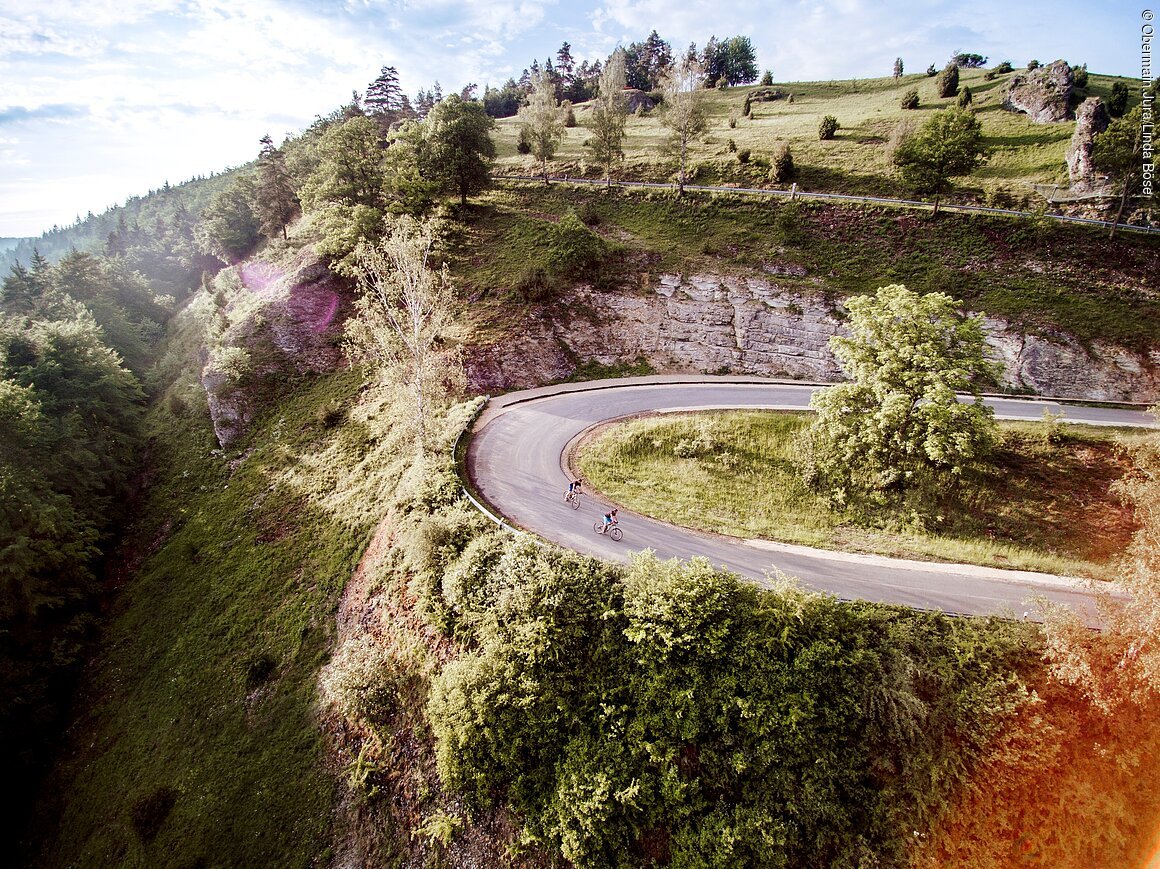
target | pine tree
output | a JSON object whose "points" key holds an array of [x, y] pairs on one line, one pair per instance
{"points": [[274, 198], [384, 98]]}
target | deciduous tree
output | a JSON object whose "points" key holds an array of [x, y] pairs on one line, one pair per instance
{"points": [[950, 143], [1119, 152], [543, 126], [402, 318], [684, 112], [462, 148], [899, 423], [609, 116]]}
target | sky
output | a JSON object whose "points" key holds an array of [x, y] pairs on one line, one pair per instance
{"points": [[104, 99]]}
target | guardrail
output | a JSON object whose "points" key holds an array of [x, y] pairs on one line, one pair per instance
{"points": [[838, 197], [459, 463]]}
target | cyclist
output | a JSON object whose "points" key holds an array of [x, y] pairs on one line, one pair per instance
{"points": [[609, 520], [573, 490]]}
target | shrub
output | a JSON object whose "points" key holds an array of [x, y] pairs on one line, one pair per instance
{"points": [[743, 155], [827, 128], [1004, 68], [361, 681], [1118, 102], [910, 99], [782, 164], [787, 223], [722, 85], [931, 72], [747, 109], [964, 97], [767, 78], [1079, 76], [731, 146], [1032, 64], [523, 146], [733, 115], [533, 284], [569, 114], [947, 83]]}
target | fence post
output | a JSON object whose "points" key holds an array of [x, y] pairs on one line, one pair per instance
{"points": [[793, 192]]}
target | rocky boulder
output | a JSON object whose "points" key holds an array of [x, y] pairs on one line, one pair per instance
{"points": [[1044, 94], [638, 100], [1091, 119]]}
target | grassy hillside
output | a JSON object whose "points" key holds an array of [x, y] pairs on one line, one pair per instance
{"points": [[854, 161], [1039, 276]]}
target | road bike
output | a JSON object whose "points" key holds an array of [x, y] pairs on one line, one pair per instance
{"points": [[573, 498], [613, 530]]}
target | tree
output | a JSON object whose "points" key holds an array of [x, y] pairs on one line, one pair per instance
{"points": [[1118, 101], [947, 82], [609, 116], [950, 143], [228, 228], [646, 63], [1119, 151], [402, 317], [543, 127], [274, 199], [684, 113], [899, 424], [732, 61], [503, 102], [462, 149], [385, 100], [827, 128], [968, 60], [349, 170], [898, 67], [767, 78]]}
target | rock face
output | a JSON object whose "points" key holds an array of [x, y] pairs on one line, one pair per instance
{"points": [[1091, 119], [284, 322], [1044, 94], [718, 324]]}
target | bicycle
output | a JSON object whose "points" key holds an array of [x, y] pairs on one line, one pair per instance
{"points": [[573, 498], [613, 530]]}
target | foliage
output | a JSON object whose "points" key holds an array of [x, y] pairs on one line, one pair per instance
{"points": [[1032, 65], [950, 143], [402, 319], [609, 116], [672, 707], [349, 170], [385, 100], [684, 112], [947, 82], [766, 79], [228, 228], [1118, 151], [781, 163], [275, 201], [965, 97], [899, 425], [931, 71], [731, 61], [542, 126], [968, 60], [459, 132], [1118, 101], [909, 99], [827, 128], [897, 71], [1004, 68], [647, 63], [1079, 76]]}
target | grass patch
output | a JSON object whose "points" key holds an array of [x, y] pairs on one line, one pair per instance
{"points": [[1046, 505], [198, 742]]}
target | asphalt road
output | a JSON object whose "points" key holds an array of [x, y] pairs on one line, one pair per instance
{"points": [[515, 463]]}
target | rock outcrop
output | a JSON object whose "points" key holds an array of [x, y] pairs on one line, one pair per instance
{"points": [[638, 100], [283, 322], [1044, 94], [725, 324], [1091, 119]]}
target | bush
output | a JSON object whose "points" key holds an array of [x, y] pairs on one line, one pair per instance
{"points": [[361, 681], [1118, 102], [931, 72], [947, 83], [964, 97], [747, 109], [1003, 68], [569, 114], [743, 155], [733, 115], [910, 99], [827, 128], [1032, 64], [1079, 76], [533, 284], [523, 146], [731, 146], [782, 165], [767, 78], [787, 223]]}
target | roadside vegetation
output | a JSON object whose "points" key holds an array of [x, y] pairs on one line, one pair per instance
{"points": [[1046, 504]]}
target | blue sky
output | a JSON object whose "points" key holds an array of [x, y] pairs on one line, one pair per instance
{"points": [[102, 99]]}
